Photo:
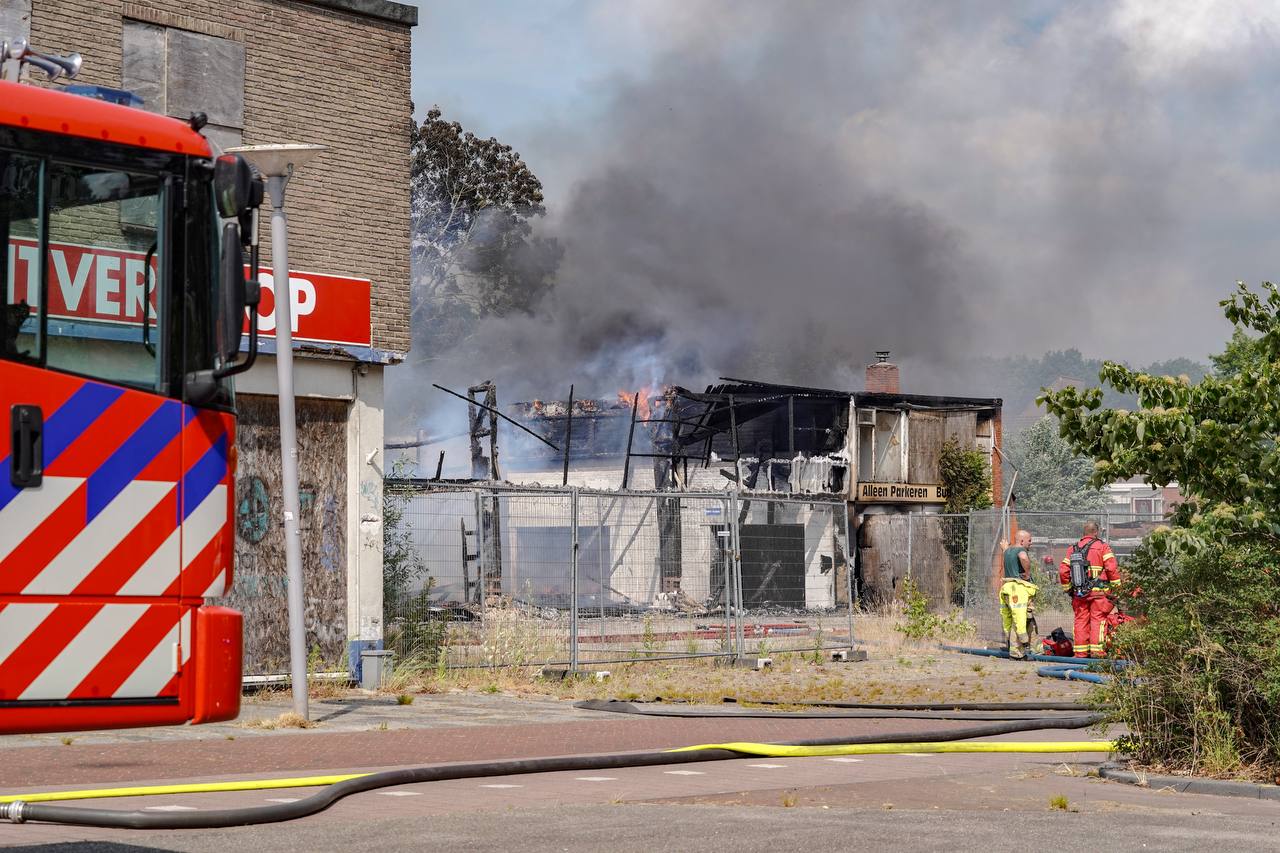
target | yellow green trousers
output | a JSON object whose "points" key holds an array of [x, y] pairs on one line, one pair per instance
{"points": [[1015, 595]]}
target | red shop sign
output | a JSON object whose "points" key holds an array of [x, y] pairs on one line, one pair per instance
{"points": [[328, 309], [105, 286]]}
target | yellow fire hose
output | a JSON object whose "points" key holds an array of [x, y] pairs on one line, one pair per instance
{"points": [[764, 750], [773, 750], [188, 788]]}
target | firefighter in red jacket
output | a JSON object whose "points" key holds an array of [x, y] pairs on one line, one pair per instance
{"points": [[1096, 573]]}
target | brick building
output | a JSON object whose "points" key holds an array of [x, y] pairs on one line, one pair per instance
{"points": [[336, 73]]}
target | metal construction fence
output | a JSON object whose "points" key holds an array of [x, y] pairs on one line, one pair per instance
{"points": [[955, 560], [493, 575], [1052, 536]]}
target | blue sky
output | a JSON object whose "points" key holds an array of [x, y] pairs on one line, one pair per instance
{"points": [[502, 67]]}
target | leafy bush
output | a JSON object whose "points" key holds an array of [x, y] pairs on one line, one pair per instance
{"points": [[419, 633], [1205, 696], [966, 475], [921, 624], [402, 564]]}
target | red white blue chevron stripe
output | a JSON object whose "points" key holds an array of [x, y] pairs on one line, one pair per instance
{"points": [[102, 564]]}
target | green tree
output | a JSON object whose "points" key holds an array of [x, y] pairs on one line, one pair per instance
{"points": [[474, 252], [1242, 353], [1205, 691], [966, 475], [1051, 476], [403, 569]]}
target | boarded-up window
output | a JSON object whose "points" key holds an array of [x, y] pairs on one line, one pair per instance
{"points": [[925, 447], [772, 565], [260, 588], [178, 73], [888, 447]]}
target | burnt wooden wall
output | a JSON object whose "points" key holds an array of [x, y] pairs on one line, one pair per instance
{"points": [[260, 589], [882, 539], [927, 432], [883, 558]]}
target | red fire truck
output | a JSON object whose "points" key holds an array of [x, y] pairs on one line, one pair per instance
{"points": [[122, 253]]}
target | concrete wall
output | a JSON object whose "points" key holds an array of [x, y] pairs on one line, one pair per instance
{"points": [[624, 559]]}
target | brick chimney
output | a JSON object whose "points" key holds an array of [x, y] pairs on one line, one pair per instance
{"points": [[882, 377]]}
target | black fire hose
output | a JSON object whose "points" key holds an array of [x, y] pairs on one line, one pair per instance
{"points": [[840, 712], [19, 812], [937, 706]]}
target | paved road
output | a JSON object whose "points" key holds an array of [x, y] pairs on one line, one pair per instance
{"points": [[319, 750], [643, 828], [924, 802], [920, 802]]}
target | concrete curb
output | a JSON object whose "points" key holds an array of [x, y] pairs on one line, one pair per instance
{"points": [[1185, 785]]}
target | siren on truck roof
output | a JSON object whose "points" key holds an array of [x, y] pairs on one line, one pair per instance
{"points": [[14, 54]]}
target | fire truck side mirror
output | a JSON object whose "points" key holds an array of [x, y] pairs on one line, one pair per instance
{"points": [[235, 294], [233, 290], [235, 187]]}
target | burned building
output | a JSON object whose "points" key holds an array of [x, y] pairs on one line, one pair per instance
{"points": [[879, 449], [787, 453]]}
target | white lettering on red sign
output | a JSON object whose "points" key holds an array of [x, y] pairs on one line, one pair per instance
{"points": [[106, 285], [103, 285], [302, 301]]}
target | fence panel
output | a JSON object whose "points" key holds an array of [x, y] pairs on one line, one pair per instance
{"points": [[1052, 536], [491, 575], [793, 575], [480, 577], [654, 570]]}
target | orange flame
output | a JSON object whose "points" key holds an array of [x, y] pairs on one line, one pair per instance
{"points": [[640, 399]]}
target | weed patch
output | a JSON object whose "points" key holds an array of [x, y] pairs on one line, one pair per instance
{"points": [[919, 623], [287, 720]]}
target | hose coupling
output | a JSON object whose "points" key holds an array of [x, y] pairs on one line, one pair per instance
{"points": [[13, 811]]}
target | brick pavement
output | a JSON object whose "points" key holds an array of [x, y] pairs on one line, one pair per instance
{"points": [[81, 764]]}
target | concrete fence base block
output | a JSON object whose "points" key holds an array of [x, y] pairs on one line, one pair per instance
{"points": [[848, 655], [755, 663], [556, 673]]}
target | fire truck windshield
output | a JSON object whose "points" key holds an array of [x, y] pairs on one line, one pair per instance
{"points": [[109, 267]]}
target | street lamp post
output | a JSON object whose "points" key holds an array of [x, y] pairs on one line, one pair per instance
{"points": [[278, 163]]}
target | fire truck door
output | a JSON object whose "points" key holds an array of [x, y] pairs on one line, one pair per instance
{"points": [[90, 558]]}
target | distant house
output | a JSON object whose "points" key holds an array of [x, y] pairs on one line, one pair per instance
{"points": [[1135, 497]]}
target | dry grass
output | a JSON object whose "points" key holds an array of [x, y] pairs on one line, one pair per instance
{"points": [[911, 674], [287, 720], [1060, 802], [900, 669], [327, 688]]}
